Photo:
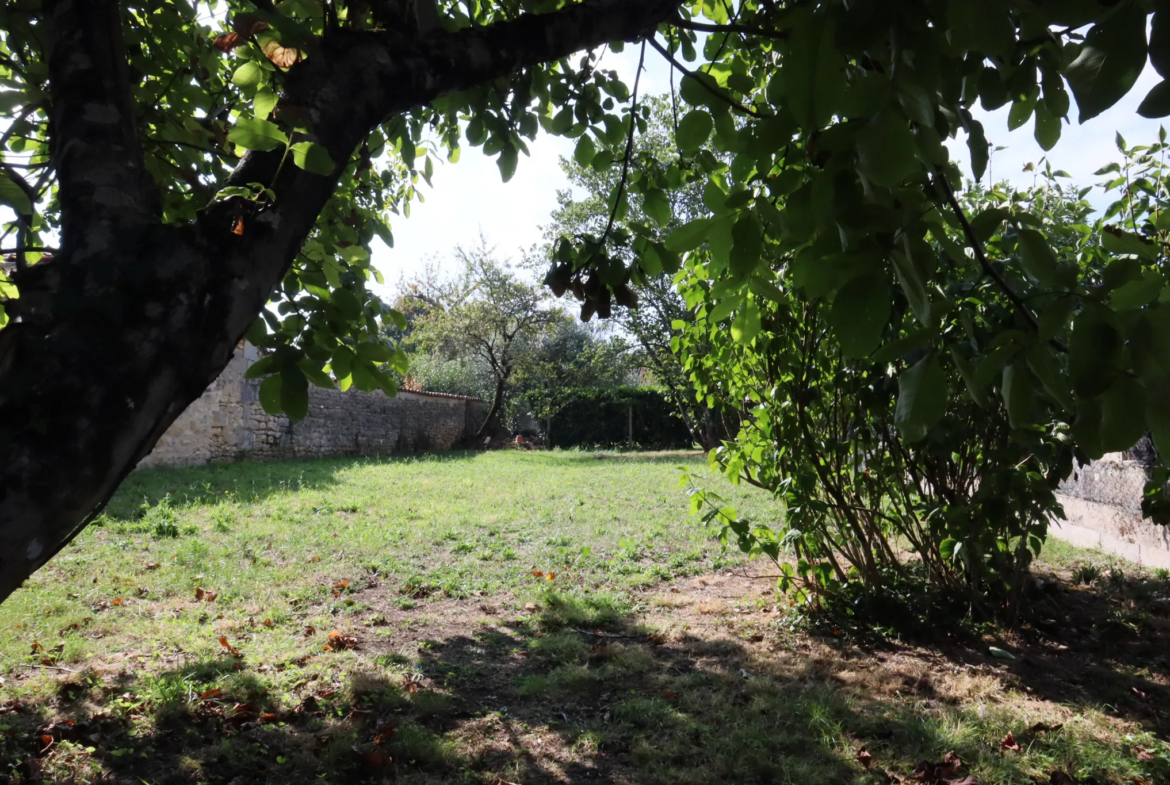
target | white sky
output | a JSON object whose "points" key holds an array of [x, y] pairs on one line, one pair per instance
{"points": [[470, 198]]}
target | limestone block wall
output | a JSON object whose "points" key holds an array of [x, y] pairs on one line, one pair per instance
{"points": [[228, 423], [1103, 509]]}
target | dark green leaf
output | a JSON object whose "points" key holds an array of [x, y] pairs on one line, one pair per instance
{"points": [[860, 313], [1109, 62], [922, 399]]}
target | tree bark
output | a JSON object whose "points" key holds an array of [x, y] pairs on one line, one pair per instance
{"points": [[133, 319]]}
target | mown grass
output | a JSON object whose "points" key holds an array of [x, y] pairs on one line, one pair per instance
{"points": [[467, 666]]}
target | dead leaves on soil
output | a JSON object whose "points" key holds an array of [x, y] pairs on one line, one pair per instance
{"points": [[947, 772], [339, 642]]}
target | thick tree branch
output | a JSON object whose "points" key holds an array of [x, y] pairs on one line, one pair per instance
{"points": [[103, 185]]}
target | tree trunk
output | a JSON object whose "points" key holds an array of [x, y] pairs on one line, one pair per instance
{"points": [[133, 319], [497, 402]]}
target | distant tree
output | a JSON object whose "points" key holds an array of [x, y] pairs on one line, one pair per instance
{"points": [[572, 356], [489, 315], [584, 211]]}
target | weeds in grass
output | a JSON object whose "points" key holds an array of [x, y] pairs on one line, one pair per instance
{"points": [[1086, 574]]}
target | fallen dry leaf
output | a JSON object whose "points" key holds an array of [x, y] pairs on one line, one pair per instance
{"points": [[238, 225], [1144, 754], [670, 695], [864, 757], [1008, 742]]}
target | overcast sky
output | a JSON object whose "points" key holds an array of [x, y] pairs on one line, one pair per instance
{"points": [[469, 197]]}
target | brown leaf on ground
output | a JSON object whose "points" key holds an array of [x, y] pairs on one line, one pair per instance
{"points": [[670, 695], [1144, 754], [863, 757], [117, 602], [339, 642], [199, 594], [376, 758], [226, 42], [310, 631], [1009, 742], [944, 773]]}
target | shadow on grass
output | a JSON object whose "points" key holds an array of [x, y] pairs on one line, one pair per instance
{"points": [[247, 481], [571, 694]]}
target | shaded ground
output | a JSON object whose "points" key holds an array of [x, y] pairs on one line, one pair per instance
{"points": [[608, 672]]}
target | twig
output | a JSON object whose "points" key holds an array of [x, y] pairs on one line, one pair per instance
{"points": [[606, 635], [729, 101], [629, 150], [688, 24], [944, 188], [46, 667]]}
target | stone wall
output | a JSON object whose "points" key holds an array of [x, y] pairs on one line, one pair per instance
{"points": [[1103, 509], [228, 423]]}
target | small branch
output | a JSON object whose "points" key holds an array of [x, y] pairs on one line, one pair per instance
{"points": [[607, 635], [46, 667], [29, 249], [688, 24], [629, 150], [944, 188], [726, 99]]}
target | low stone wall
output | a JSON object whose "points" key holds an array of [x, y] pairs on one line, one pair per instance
{"points": [[1103, 509], [228, 423]]}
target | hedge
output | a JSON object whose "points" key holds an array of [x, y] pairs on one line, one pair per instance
{"points": [[600, 418]]}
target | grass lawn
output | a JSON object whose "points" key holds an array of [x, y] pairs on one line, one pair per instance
{"points": [[514, 617]]}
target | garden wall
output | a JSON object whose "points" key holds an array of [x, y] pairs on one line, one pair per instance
{"points": [[228, 423], [1103, 509]]}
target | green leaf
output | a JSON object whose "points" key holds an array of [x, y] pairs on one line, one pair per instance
{"points": [[860, 313], [1086, 428], [315, 375], [1040, 262], [985, 27], [347, 304], [585, 150], [885, 147], [1123, 415], [253, 134], [507, 161], [264, 102], [270, 394], [657, 205], [980, 149], [1157, 101], [814, 75], [694, 130], [689, 236], [977, 391], [313, 158], [1018, 394], [1122, 242], [1137, 293], [1046, 369], [747, 323], [1110, 61], [262, 367], [294, 393], [1160, 41], [1093, 352], [922, 399], [13, 195], [248, 75], [1048, 127], [915, 290], [724, 309], [747, 242]]}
